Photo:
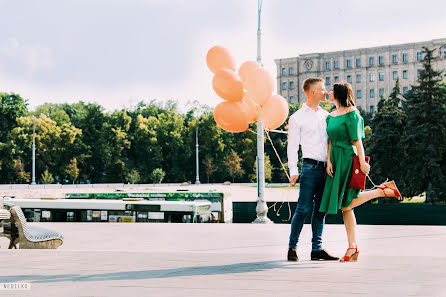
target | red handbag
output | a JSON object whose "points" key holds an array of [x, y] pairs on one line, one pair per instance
{"points": [[357, 180]]}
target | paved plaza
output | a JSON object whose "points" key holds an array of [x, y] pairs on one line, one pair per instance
{"points": [[149, 259]]}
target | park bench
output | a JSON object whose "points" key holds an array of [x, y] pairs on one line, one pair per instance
{"points": [[28, 237]]}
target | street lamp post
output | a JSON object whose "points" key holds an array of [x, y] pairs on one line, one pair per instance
{"points": [[261, 208], [33, 179], [197, 178]]}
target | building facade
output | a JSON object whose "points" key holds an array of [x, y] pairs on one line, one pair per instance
{"points": [[372, 72]]}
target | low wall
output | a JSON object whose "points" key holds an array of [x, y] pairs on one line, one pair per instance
{"points": [[367, 214]]}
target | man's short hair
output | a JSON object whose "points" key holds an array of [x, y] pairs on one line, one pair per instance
{"points": [[311, 81]]}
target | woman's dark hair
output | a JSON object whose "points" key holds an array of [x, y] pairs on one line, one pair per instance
{"points": [[343, 92]]}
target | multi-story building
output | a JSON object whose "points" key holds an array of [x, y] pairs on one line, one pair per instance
{"points": [[372, 72]]}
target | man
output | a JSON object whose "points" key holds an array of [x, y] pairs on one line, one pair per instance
{"points": [[307, 127]]}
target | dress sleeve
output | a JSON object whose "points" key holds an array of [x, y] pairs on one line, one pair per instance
{"points": [[355, 125], [327, 119]]}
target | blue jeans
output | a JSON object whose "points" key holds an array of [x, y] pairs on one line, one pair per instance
{"points": [[312, 181]]}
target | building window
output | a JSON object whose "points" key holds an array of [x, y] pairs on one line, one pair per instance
{"points": [[284, 71], [358, 94], [395, 75], [405, 74], [381, 76], [358, 78], [349, 79], [419, 73], [381, 60], [327, 81], [358, 62], [291, 71], [371, 61], [284, 86], [395, 59], [405, 58], [419, 56], [349, 63], [336, 64], [291, 99], [381, 92], [405, 90], [327, 65], [372, 108], [372, 76], [336, 79], [291, 85], [372, 93]]}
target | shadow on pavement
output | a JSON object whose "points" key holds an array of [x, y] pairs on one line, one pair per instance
{"points": [[164, 273]]}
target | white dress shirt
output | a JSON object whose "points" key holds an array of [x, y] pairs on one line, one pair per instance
{"points": [[309, 129]]}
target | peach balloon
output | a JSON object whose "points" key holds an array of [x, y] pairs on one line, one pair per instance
{"points": [[251, 109], [245, 68], [274, 113], [260, 85], [231, 117], [219, 57], [227, 85]]}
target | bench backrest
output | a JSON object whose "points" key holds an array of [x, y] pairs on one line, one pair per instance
{"points": [[19, 217]]}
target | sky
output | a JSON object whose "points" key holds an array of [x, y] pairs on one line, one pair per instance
{"points": [[119, 52]]}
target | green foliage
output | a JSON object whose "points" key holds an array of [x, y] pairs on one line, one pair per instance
{"points": [[409, 136], [367, 116], [158, 175], [46, 177], [21, 175], [209, 167], [12, 106], [405, 139], [133, 177], [72, 171], [233, 164], [267, 167], [384, 146], [424, 140]]}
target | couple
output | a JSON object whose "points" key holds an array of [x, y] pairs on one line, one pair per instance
{"points": [[328, 142]]}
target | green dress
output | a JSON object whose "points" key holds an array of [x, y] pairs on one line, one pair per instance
{"points": [[341, 130]]}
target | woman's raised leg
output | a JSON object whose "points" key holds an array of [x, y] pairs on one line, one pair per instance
{"points": [[384, 190]]}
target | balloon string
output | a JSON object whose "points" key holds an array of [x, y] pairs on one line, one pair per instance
{"points": [[277, 154], [289, 179]]}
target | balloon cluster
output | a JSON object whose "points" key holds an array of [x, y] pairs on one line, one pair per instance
{"points": [[247, 94]]}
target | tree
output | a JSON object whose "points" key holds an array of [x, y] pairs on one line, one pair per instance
{"points": [[91, 146], [209, 167], [72, 171], [367, 116], [46, 177], [12, 106], [384, 145], [425, 138], [53, 143], [233, 164], [133, 176], [268, 170], [158, 175], [22, 175]]}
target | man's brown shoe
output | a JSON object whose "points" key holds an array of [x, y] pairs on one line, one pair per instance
{"points": [[292, 255]]}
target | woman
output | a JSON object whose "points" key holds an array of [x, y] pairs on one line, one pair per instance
{"points": [[345, 129]]}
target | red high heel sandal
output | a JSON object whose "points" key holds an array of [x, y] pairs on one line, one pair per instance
{"points": [[353, 257], [391, 186]]}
